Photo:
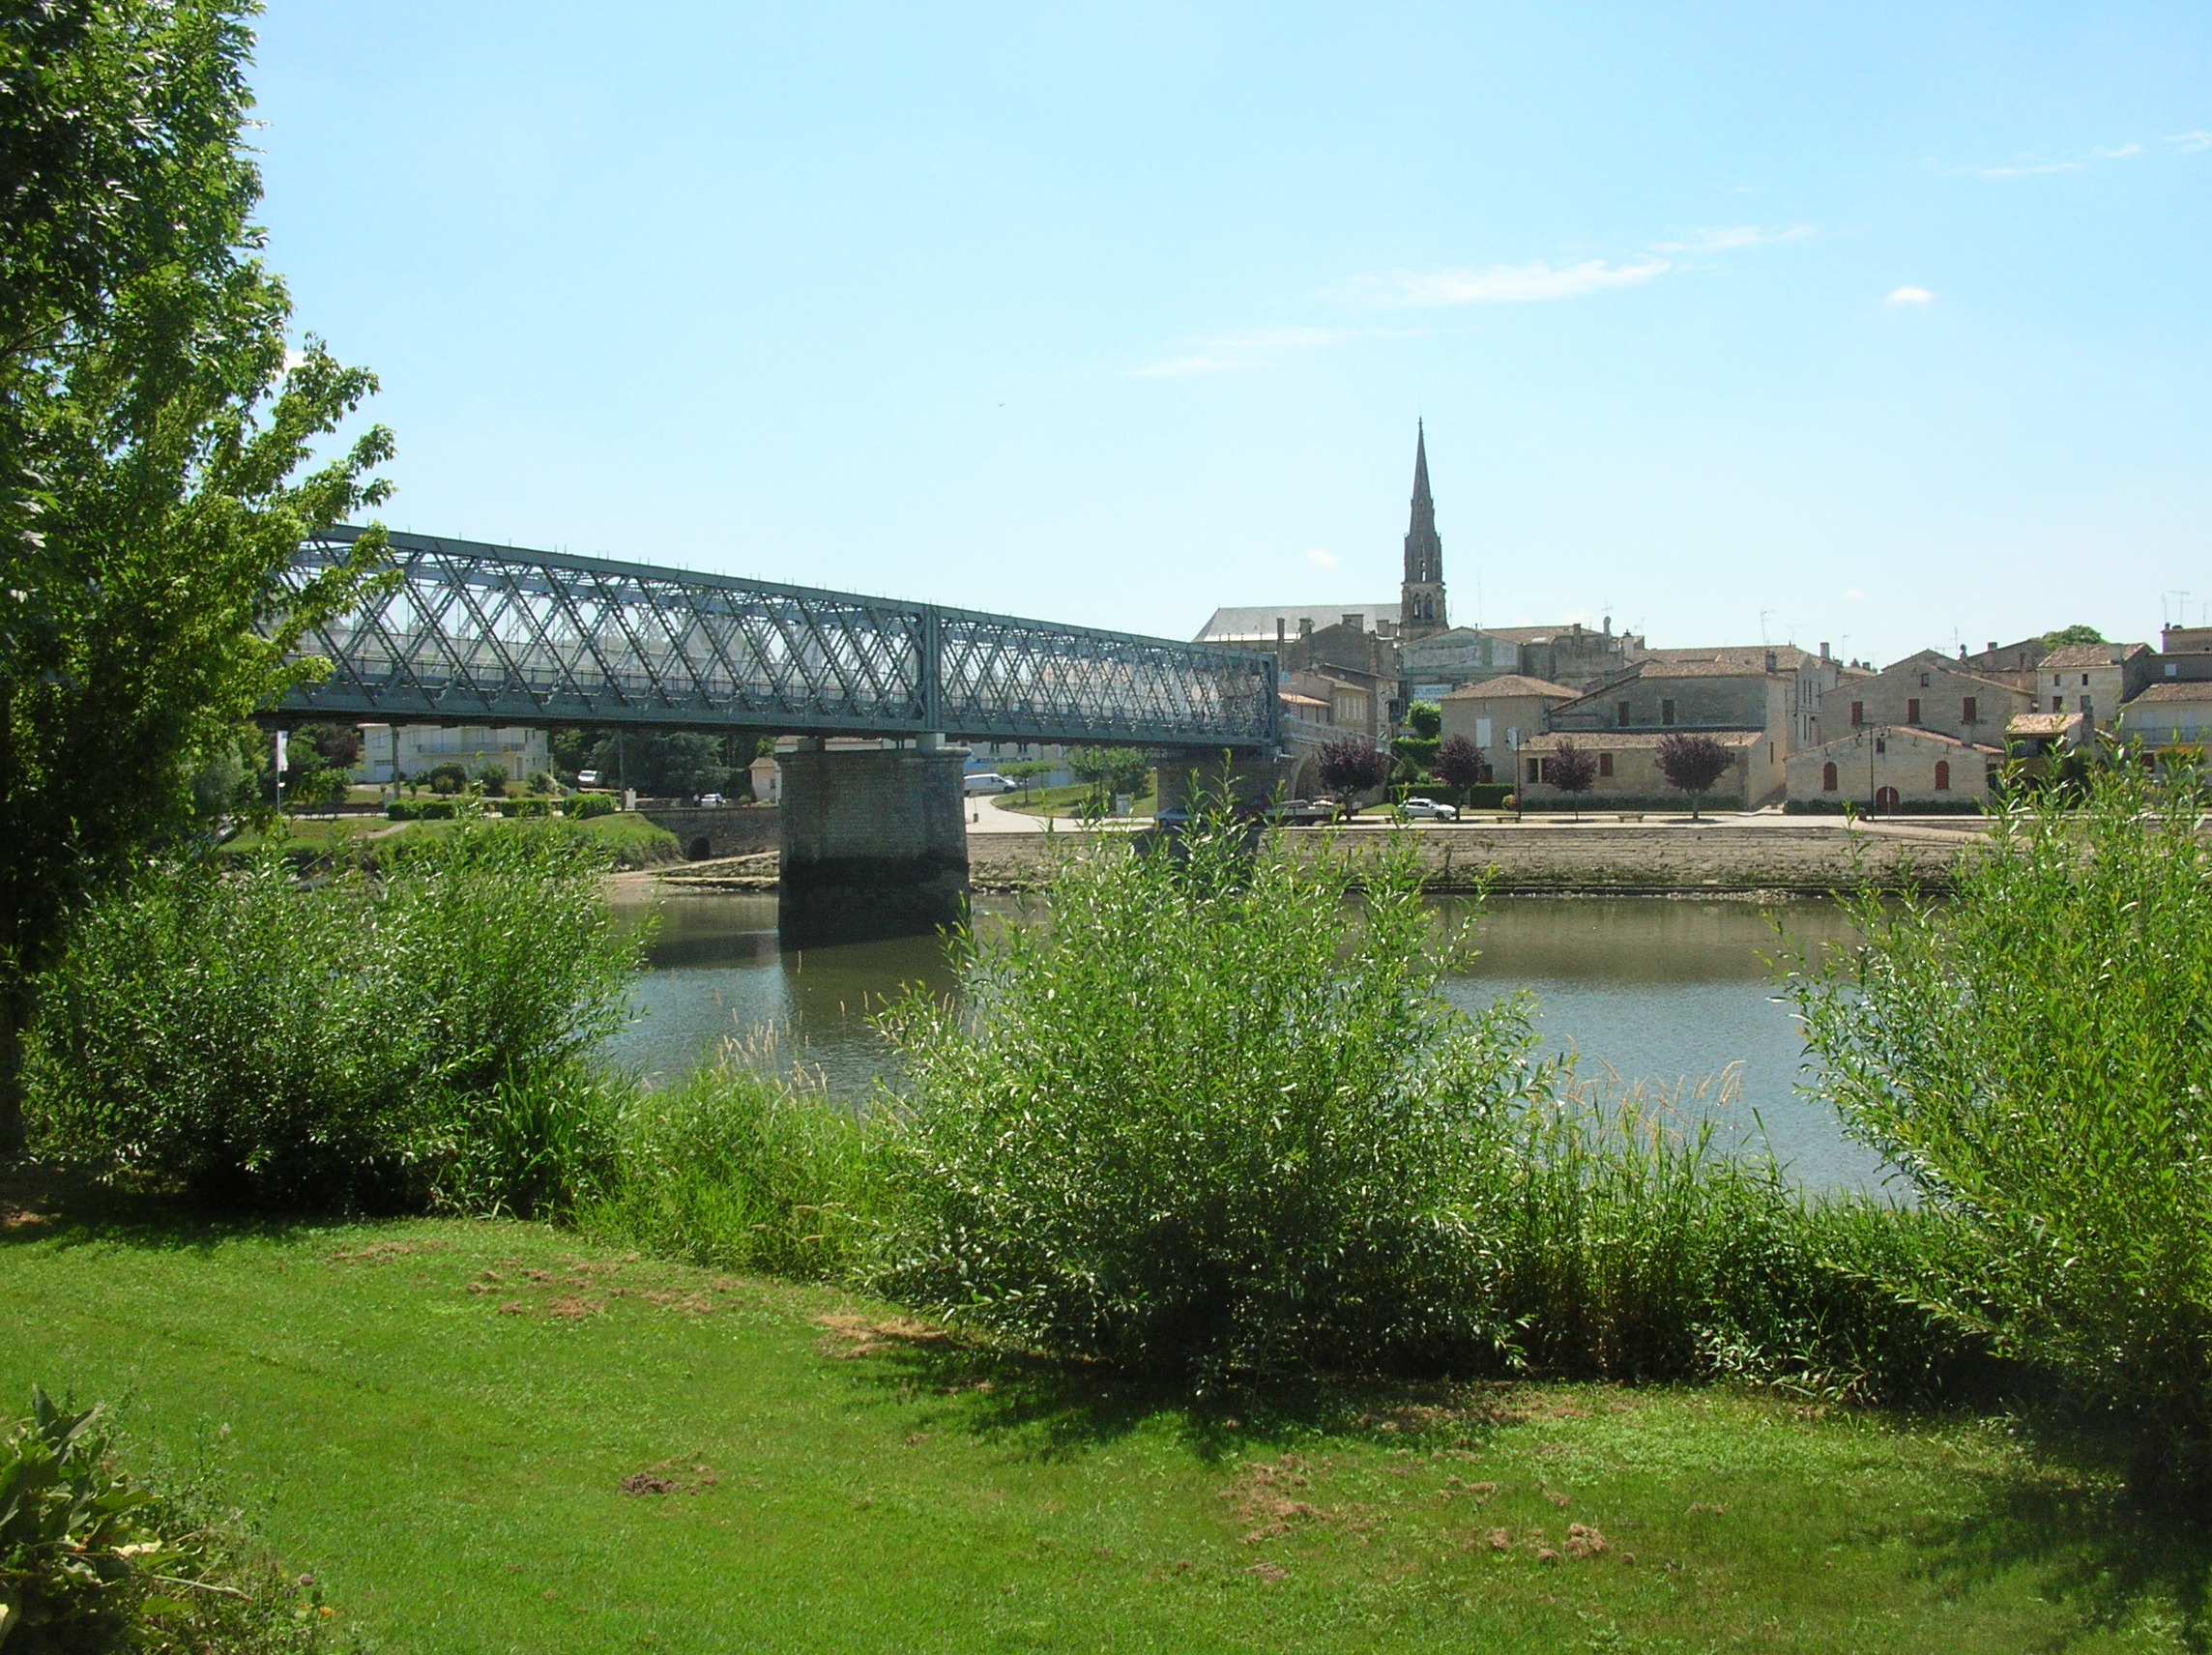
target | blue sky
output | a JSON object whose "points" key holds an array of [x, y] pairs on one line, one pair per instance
{"points": [[1888, 325]]}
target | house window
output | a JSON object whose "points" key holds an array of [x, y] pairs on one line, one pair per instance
{"points": [[1912, 711], [1881, 744], [1943, 776], [2084, 679], [2058, 703], [1828, 778], [1605, 763], [2086, 711], [1666, 712], [1535, 769], [1967, 715], [1923, 681], [2056, 681], [1858, 713], [1621, 713]]}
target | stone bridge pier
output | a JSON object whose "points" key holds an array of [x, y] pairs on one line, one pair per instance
{"points": [[1189, 778], [874, 844]]}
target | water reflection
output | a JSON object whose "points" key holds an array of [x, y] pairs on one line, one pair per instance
{"points": [[1662, 992]]}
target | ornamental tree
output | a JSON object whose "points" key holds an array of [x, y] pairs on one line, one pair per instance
{"points": [[1571, 770], [1352, 765], [154, 427], [1460, 764], [1692, 764]]}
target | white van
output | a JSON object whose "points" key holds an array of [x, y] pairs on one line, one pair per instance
{"points": [[985, 781]]}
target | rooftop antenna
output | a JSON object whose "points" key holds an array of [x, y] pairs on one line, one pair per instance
{"points": [[1762, 615]]}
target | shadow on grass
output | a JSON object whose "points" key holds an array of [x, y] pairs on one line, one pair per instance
{"points": [[1055, 1407], [2067, 1515], [61, 1207]]}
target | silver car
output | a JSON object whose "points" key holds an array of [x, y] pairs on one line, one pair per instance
{"points": [[1427, 810]]}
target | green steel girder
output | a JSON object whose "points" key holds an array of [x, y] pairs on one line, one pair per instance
{"points": [[482, 634]]}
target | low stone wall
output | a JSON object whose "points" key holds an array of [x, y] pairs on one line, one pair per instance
{"points": [[716, 829], [1589, 857]]}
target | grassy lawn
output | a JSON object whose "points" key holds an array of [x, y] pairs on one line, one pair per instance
{"points": [[634, 842], [438, 1420], [1066, 801]]}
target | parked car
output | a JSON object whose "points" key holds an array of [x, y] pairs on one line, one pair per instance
{"points": [[987, 781], [1426, 810], [709, 799]]}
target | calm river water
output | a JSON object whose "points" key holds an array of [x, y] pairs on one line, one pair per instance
{"points": [[1663, 992]]}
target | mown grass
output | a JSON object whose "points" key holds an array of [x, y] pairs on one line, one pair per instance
{"points": [[1069, 801], [626, 836], [436, 1419]]}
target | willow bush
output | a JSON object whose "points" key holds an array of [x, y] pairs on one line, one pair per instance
{"points": [[1210, 1115], [374, 1038], [2035, 1053]]}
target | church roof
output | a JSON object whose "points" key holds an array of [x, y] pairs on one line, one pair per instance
{"points": [[1255, 624]]}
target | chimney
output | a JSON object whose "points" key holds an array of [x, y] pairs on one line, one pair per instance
{"points": [[1771, 661], [1306, 625], [1824, 651], [1354, 622], [1279, 625], [1962, 651], [1992, 645], [1609, 626]]}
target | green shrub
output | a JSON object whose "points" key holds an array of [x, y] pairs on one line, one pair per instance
{"points": [[2035, 1055], [739, 1170], [579, 806], [448, 777], [1211, 1115], [94, 1563], [275, 1041], [436, 810], [1637, 1248], [538, 1144]]}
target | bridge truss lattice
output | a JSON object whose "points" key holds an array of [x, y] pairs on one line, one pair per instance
{"points": [[470, 633]]}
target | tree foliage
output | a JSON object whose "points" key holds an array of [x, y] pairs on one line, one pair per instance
{"points": [[2078, 633], [151, 436], [1693, 764], [1426, 719], [1572, 769], [1460, 764], [1352, 765]]}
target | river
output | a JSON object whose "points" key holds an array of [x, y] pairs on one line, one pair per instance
{"points": [[1668, 992]]}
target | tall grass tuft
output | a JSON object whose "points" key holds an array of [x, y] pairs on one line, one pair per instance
{"points": [[2035, 1055], [339, 1043], [1212, 1115], [740, 1168]]}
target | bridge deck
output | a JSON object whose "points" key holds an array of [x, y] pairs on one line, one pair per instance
{"points": [[474, 633]]}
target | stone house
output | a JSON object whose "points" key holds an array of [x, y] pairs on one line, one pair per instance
{"points": [[1500, 714], [2168, 714], [2037, 735], [1430, 668], [401, 752], [1811, 677], [1925, 692], [1885, 768], [1572, 654], [1349, 702], [1628, 770], [2093, 680]]}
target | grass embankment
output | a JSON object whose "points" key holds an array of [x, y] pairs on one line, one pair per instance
{"points": [[626, 836], [437, 1419], [1069, 800]]}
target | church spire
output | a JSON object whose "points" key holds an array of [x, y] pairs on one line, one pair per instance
{"points": [[1421, 598]]}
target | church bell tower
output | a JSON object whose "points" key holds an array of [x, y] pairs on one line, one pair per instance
{"points": [[1421, 598]]}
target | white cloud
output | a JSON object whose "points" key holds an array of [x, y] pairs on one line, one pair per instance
{"points": [[1726, 239], [1258, 345], [1853, 595], [2189, 143], [1910, 296], [2034, 166], [1320, 558], [1506, 284]]}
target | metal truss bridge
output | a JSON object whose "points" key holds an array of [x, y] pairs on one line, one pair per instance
{"points": [[480, 634]]}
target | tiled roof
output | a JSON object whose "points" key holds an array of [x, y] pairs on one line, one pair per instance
{"points": [[1906, 731], [2182, 690], [1788, 657], [2092, 654], [1613, 741], [1511, 683], [2041, 723], [1928, 661], [1257, 625], [1706, 668]]}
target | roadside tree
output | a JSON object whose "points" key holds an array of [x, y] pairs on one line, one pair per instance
{"points": [[1109, 771], [1352, 765], [1460, 764], [1426, 719], [152, 437], [1571, 770], [1692, 764]]}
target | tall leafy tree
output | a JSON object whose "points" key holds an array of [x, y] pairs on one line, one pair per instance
{"points": [[1572, 769], [1692, 764], [154, 440], [1460, 765]]}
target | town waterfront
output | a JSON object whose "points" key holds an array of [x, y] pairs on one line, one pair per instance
{"points": [[1661, 991]]}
